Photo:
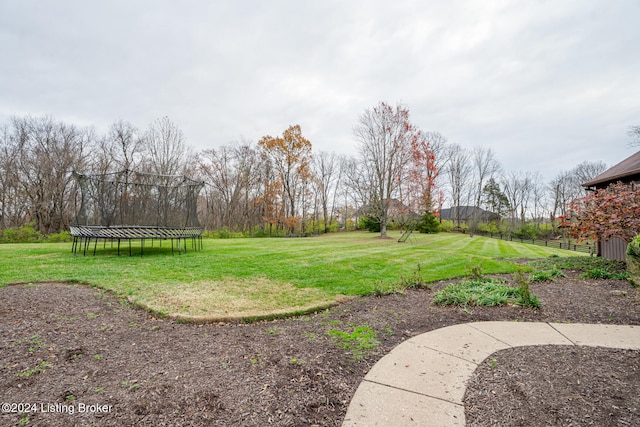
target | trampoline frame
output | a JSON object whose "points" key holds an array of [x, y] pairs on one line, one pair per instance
{"points": [[85, 234], [85, 231]]}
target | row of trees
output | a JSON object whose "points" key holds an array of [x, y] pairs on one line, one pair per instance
{"points": [[38, 154], [277, 184]]}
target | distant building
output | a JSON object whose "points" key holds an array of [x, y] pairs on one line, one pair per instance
{"points": [[468, 214], [627, 172]]}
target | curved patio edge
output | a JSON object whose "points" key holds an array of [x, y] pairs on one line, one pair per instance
{"points": [[422, 381]]}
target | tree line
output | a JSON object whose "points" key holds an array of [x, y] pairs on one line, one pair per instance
{"points": [[278, 185]]}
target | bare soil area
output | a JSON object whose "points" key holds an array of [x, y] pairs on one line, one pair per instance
{"points": [[73, 355]]}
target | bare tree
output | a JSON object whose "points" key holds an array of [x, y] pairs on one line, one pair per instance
{"points": [[328, 174], [126, 145], [563, 190], [385, 134], [585, 172], [46, 153], [517, 187], [634, 133], [221, 173], [458, 171], [485, 166], [165, 148], [12, 200], [538, 195], [566, 186], [233, 174], [357, 186]]}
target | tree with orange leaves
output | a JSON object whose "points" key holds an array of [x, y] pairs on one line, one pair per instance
{"points": [[290, 156], [424, 170]]}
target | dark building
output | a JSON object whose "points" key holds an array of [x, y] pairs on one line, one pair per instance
{"points": [[628, 172]]}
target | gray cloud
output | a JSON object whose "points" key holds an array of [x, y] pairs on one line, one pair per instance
{"points": [[546, 84]]}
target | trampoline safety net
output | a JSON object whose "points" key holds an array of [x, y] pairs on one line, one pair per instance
{"points": [[128, 205]]}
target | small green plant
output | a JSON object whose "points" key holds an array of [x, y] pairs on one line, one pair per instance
{"points": [[296, 361], [97, 356], [92, 315], [475, 292], [415, 280], [70, 398], [526, 298], [493, 363], [99, 390], [388, 331], [475, 271], [359, 340], [37, 370], [34, 342], [546, 275], [601, 273], [23, 421], [131, 385], [381, 289]]}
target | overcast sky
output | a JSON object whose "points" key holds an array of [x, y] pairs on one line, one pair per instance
{"points": [[545, 84]]}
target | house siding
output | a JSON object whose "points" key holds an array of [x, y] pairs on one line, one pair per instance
{"points": [[614, 248]]}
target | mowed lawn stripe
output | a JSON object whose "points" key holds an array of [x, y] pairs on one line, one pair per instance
{"points": [[246, 269]]}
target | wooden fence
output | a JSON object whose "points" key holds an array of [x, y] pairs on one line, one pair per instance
{"points": [[556, 243]]}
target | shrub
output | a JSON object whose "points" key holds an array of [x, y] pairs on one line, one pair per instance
{"points": [[546, 275], [602, 273], [485, 292], [414, 280], [428, 224], [446, 225], [526, 298], [370, 223], [580, 263], [381, 289], [633, 260], [489, 228], [527, 231], [25, 234], [63, 236]]}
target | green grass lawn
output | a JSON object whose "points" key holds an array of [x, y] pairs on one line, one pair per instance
{"points": [[240, 278]]}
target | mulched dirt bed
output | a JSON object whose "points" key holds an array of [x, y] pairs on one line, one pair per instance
{"points": [[556, 386], [72, 348]]}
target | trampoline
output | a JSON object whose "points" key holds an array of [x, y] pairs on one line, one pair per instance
{"points": [[126, 206]]}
